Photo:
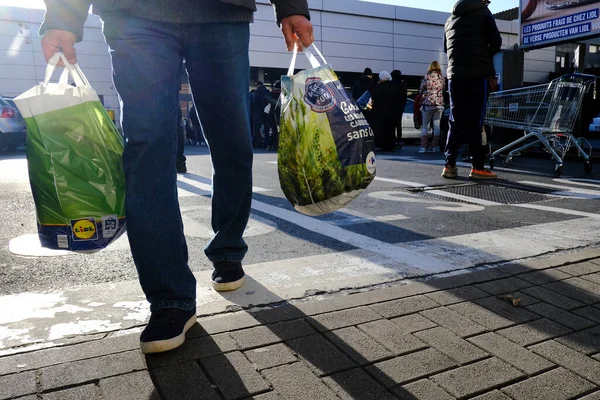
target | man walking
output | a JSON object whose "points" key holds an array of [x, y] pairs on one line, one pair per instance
{"points": [[471, 39], [148, 40]]}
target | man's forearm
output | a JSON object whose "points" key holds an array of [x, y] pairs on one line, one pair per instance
{"points": [[66, 15]]}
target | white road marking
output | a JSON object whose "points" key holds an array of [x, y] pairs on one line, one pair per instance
{"points": [[579, 181], [357, 217], [102, 307], [324, 228], [429, 203], [562, 190], [207, 188], [442, 193], [558, 210]]}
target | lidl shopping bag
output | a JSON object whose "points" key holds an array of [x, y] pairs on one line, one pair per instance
{"points": [[325, 155], [74, 158]]}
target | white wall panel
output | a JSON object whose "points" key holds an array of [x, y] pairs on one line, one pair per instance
{"points": [[358, 51], [422, 43], [418, 29], [342, 35], [359, 8], [14, 87], [356, 22]]}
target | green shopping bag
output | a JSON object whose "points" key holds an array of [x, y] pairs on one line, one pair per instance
{"points": [[326, 152], [74, 159]]}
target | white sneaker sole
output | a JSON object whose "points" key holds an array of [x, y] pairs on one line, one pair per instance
{"points": [[160, 346], [229, 286]]}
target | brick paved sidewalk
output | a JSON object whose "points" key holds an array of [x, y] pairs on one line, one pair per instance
{"points": [[447, 338]]}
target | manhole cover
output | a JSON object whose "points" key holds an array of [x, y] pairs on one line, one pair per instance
{"points": [[498, 194]]}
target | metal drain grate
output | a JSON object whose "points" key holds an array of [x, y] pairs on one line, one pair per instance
{"points": [[498, 194]]}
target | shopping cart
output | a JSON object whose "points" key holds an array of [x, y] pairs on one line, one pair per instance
{"points": [[545, 113]]}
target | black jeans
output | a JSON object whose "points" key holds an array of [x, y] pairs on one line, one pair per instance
{"points": [[468, 99]]}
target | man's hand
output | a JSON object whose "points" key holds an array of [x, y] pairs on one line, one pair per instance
{"points": [[297, 29], [55, 40]]}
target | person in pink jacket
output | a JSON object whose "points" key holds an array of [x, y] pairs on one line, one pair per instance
{"points": [[432, 107]]}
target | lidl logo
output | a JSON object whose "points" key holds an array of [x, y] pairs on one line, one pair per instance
{"points": [[84, 229], [371, 163]]}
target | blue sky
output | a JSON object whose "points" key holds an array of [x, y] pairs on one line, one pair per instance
{"points": [[438, 5]]}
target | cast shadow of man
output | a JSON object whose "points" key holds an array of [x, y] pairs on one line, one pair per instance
{"points": [[376, 345]]}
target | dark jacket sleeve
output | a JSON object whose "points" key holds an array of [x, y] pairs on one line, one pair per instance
{"points": [[445, 44], [286, 8], [66, 15], [492, 35]]}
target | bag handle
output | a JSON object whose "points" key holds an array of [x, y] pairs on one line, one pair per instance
{"points": [[314, 62], [70, 69]]}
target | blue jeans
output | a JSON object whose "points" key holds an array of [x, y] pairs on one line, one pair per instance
{"points": [[146, 57]]}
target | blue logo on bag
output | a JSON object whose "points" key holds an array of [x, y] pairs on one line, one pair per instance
{"points": [[318, 96]]}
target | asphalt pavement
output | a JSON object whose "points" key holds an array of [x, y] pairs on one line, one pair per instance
{"points": [[409, 224]]}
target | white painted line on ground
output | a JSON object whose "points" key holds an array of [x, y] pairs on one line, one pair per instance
{"points": [[354, 239], [474, 200], [511, 243], [49, 317], [461, 197], [208, 188], [442, 193], [360, 217], [579, 181], [562, 190], [558, 210], [399, 182], [387, 250], [184, 193]]}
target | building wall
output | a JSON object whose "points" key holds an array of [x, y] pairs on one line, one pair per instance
{"points": [[351, 34]]}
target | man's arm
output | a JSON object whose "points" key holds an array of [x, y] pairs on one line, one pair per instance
{"points": [[63, 27], [492, 35], [294, 18]]}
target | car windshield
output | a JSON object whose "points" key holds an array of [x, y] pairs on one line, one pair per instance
{"points": [[5, 103]]}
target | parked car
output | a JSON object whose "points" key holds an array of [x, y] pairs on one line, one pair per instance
{"points": [[12, 126]]}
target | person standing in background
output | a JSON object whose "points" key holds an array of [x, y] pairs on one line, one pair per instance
{"points": [[366, 82], [384, 127], [261, 126], [180, 163], [399, 103], [471, 39], [432, 107]]}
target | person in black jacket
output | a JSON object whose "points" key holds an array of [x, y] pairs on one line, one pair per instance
{"points": [[261, 97], [180, 159], [366, 82], [399, 103], [471, 39], [384, 124], [148, 40], [196, 136]]}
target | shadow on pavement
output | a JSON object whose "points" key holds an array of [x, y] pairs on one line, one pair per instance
{"points": [[386, 343]]}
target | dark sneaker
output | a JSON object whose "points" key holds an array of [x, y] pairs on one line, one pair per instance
{"points": [[227, 276], [181, 169], [166, 330], [482, 174], [450, 172]]}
